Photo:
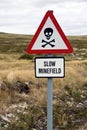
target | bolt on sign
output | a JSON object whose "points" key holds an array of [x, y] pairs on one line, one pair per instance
{"points": [[49, 38]]}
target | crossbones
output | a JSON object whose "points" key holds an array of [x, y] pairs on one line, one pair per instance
{"points": [[48, 43]]}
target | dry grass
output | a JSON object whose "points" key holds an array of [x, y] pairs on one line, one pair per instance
{"points": [[75, 77], [12, 70], [75, 72], [10, 67]]}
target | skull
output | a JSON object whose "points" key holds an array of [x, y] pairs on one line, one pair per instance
{"points": [[48, 33]]}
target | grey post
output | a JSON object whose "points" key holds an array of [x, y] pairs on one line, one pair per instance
{"points": [[49, 105]]}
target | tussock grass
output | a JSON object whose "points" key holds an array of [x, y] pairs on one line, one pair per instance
{"points": [[75, 74], [68, 92]]}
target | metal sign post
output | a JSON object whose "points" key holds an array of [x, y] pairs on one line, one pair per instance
{"points": [[49, 105]]}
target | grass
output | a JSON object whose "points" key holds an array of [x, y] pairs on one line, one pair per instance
{"points": [[10, 43], [16, 44], [68, 92]]}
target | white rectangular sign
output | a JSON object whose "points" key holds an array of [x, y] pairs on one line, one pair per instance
{"points": [[49, 67]]}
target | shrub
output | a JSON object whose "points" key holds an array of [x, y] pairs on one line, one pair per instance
{"points": [[24, 122], [26, 56]]}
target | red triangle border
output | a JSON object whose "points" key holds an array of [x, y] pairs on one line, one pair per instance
{"points": [[49, 51]]}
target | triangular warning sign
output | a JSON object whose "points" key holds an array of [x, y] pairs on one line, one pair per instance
{"points": [[49, 38]]}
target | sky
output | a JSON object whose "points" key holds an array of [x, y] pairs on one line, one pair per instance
{"points": [[25, 16]]}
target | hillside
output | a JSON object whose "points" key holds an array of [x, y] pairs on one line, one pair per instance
{"points": [[23, 98], [13, 43], [16, 43]]}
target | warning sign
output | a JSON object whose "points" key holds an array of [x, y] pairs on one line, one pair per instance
{"points": [[49, 67], [49, 38]]}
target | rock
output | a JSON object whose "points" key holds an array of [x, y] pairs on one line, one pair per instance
{"points": [[85, 104], [4, 118], [22, 87], [41, 123], [80, 106]]}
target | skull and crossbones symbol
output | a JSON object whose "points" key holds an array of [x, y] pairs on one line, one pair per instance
{"points": [[48, 32]]}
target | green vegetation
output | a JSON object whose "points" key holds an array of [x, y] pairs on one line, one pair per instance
{"points": [[17, 44], [13, 43], [26, 56]]}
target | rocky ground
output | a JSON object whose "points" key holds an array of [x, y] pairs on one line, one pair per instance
{"points": [[21, 112]]}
